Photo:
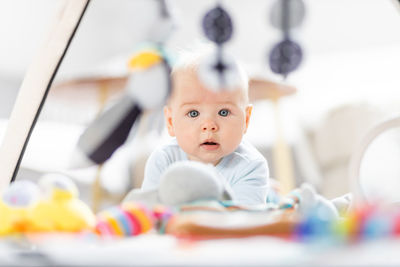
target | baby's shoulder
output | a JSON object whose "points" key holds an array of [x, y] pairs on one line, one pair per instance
{"points": [[170, 150], [248, 153], [170, 145], [245, 162]]}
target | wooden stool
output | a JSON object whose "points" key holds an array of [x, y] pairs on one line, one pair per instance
{"points": [[96, 91], [260, 88]]}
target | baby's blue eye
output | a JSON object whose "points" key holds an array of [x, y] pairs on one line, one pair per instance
{"points": [[193, 113], [223, 112]]}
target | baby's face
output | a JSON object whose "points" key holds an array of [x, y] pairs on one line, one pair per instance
{"points": [[207, 125]]}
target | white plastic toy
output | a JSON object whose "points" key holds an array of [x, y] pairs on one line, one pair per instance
{"points": [[184, 182]]}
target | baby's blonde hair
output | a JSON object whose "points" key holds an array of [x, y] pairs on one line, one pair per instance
{"points": [[190, 59]]}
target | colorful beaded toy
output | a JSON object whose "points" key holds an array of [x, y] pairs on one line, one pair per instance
{"points": [[125, 220], [131, 219], [362, 223]]}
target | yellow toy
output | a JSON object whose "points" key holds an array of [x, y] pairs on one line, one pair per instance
{"points": [[16, 204], [23, 209], [60, 209], [145, 59]]}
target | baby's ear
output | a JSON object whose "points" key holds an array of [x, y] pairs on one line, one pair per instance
{"points": [[168, 120], [249, 109]]}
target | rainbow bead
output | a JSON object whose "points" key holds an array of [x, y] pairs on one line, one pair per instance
{"points": [[162, 214], [396, 224], [129, 219]]}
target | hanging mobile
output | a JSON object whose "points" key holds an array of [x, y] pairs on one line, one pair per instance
{"points": [[148, 86], [284, 58], [286, 55], [217, 25], [220, 71]]}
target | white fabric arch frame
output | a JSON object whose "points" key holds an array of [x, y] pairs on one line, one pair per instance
{"points": [[35, 87], [357, 157]]}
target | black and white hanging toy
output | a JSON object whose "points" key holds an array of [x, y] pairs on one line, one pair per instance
{"points": [[219, 71], [286, 56], [148, 88]]}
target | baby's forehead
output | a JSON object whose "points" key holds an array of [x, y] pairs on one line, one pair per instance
{"points": [[202, 63], [188, 78], [187, 87]]}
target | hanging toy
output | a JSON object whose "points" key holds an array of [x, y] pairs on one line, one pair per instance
{"points": [[147, 88], [219, 71], [217, 25], [164, 25], [286, 56]]}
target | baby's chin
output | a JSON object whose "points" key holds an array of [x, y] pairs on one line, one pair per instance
{"points": [[207, 156], [212, 162], [207, 159]]}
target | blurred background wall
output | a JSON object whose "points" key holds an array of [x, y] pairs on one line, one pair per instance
{"points": [[348, 79]]}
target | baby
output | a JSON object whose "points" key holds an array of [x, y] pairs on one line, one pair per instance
{"points": [[208, 126]]}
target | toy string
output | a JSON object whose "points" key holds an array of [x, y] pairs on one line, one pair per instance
{"points": [[285, 18]]}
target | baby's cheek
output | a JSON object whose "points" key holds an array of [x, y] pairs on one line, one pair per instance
{"points": [[233, 142], [188, 143], [189, 135], [186, 135], [234, 137]]}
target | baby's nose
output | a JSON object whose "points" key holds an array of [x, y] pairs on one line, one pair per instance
{"points": [[209, 125]]}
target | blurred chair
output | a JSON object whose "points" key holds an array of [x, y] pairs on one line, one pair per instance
{"points": [[79, 101], [260, 89], [333, 141]]}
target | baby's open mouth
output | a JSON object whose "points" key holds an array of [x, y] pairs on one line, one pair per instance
{"points": [[209, 145]]}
